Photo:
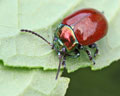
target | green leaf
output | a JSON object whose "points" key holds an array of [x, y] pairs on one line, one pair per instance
{"points": [[42, 16], [28, 82]]}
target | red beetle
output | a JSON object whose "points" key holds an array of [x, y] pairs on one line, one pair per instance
{"points": [[77, 31]]}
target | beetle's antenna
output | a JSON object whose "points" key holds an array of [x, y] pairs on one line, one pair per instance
{"points": [[29, 31]]}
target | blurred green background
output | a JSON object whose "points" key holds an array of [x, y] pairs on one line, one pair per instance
{"points": [[105, 82]]}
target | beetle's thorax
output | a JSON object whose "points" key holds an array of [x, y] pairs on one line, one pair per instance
{"points": [[64, 37]]}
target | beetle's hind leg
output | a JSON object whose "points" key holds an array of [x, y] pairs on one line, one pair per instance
{"points": [[90, 57], [81, 47], [94, 45]]}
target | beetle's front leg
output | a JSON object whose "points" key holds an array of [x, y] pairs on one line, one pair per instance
{"points": [[54, 40], [64, 57], [62, 60], [59, 66]]}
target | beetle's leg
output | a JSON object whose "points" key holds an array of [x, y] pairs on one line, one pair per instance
{"points": [[74, 54], [96, 48], [54, 40], [60, 62], [62, 59], [77, 53], [53, 45], [90, 57], [63, 62], [87, 51], [80, 47], [64, 56]]}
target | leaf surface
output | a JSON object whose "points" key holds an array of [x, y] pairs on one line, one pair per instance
{"points": [[42, 16], [31, 82]]}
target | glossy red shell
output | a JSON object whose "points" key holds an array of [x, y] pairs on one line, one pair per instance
{"points": [[89, 25]]}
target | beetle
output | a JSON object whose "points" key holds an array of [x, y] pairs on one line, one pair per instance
{"points": [[77, 31]]}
